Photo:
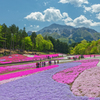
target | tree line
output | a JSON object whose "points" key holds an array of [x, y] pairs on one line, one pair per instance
{"points": [[14, 38], [86, 47]]}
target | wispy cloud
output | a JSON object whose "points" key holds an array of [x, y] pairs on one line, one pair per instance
{"points": [[36, 26], [93, 9], [24, 24], [31, 25], [45, 3], [98, 16], [75, 2]]}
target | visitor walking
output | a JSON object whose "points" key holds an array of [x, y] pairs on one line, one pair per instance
{"points": [[50, 62], [58, 61], [40, 64], [37, 65], [44, 63], [54, 61]]}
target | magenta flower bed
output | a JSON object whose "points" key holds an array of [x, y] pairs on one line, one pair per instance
{"points": [[20, 58], [17, 67], [69, 75], [17, 74], [85, 56]]}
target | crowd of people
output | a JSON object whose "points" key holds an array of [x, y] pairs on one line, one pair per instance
{"points": [[43, 64]]}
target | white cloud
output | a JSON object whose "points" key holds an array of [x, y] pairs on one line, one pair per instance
{"points": [[36, 26], [65, 14], [98, 16], [94, 8], [66, 18], [24, 24], [35, 16], [81, 21], [45, 3], [50, 14], [75, 2], [87, 8], [31, 25]]}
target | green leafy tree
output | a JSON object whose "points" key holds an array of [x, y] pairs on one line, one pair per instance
{"points": [[33, 36], [28, 43], [4, 31], [39, 42], [80, 48], [98, 49], [94, 50], [46, 37], [2, 39], [24, 34], [53, 42], [13, 31], [47, 45]]}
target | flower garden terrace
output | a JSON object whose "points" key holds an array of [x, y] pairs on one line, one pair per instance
{"points": [[57, 82], [14, 58]]}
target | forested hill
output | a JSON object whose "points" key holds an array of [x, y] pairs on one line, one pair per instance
{"points": [[69, 34]]}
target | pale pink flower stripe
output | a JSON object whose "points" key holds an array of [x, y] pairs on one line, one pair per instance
{"points": [[69, 75], [17, 74], [88, 83]]}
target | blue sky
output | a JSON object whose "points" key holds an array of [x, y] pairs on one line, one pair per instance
{"points": [[37, 14]]}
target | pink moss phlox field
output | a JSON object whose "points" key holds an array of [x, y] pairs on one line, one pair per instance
{"points": [[85, 56], [5, 69], [20, 58], [68, 76], [17, 74], [87, 83]]}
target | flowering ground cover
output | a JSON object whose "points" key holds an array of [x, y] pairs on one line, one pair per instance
{"points": [[87, 56], [12, 58], [69, 75], [5, 69], [40, 86], [22, 73], [20, 58], [88, 83]]}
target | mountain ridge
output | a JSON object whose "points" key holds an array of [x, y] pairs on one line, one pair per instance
{"points": [[69, 34]]}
